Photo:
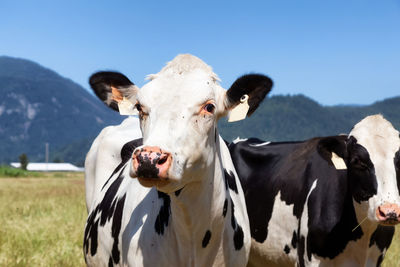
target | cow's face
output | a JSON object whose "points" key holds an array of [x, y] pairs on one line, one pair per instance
{"points": [[373, 168], [178, 111]]}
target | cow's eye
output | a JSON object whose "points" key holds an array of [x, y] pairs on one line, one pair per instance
{"points": [[209, 108], [357, 163]]}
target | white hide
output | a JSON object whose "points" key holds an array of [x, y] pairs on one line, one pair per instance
{"points": [[280, 233], [105, 155]]}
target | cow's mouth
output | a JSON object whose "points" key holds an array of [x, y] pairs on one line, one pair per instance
{"points": [[390, 222], [151, 181]]}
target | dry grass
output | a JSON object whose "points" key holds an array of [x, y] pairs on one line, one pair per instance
{"points": [[42, 221], [392, 258]]}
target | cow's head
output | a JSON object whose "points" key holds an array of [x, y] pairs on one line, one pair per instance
{"points": [[374, 169], [178, 110]]}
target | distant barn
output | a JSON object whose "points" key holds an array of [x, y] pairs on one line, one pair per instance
{"points": [[52, 167]]}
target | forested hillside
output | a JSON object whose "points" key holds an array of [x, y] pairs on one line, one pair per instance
{"points": [[287, 118]]}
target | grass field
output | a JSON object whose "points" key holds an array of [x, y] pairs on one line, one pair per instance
{"points": [[42, 220]]}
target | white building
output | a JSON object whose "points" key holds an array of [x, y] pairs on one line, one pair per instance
{"points": [[51, 167]]}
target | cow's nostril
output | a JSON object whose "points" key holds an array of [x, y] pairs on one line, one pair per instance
{"points": [[381, 213], [162, 160]]}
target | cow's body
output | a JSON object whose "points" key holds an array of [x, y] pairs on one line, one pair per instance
{"points": [[186, 208], [105, 155], [144, 222], [305, 210]]}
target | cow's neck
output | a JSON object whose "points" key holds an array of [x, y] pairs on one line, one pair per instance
{"points": [[361, 210], [197, 218]]}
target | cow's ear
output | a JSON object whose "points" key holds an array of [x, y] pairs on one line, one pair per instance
{"points": [[112, 88], [329, 146], [251, 88]]}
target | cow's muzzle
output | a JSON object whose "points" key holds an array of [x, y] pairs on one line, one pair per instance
{"points": [[151, 162], [388, 214]]}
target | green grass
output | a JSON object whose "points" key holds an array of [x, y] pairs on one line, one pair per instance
{"points": [[42, 221], [6, 171]]}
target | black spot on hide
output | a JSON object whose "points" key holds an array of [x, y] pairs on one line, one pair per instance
{"points": [[177, 192], [230, 181], [301, 251], [164, 213], [238, 238], [225, 209], [111, 206], [238, 234], [286, 249], [116, 228], [294, 239], [382, 237], [206, 239]]}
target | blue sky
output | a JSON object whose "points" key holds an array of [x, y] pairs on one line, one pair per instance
{"points": [[336, 52]]}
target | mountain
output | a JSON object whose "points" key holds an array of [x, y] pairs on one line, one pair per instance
{"points": [[297, 117], [37, 105]]}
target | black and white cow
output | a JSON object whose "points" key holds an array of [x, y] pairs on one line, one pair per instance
{"points": [[329, 201], [186, 207]]}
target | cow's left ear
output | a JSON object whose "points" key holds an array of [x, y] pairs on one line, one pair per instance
{"points": [[333, 144], [251, 88], [114, 89]]}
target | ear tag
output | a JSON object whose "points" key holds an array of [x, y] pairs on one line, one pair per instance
{"points": [[338, 162], [126, 107], [239, 112]]}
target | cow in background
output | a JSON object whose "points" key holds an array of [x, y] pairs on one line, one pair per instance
{"points": [[329, 201], [106, 154], [185, 206]]}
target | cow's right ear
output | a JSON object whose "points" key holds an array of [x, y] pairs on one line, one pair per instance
{"points": [[112, 88]]}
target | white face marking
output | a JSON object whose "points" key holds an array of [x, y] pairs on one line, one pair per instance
{"points": [[175, 116], [382, 141]]}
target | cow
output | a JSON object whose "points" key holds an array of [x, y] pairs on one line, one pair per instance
{"points": [[106, 153], [175, 198], [326, 201]]}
